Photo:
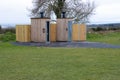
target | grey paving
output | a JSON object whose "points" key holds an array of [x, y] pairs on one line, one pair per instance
{"points": [[68, 44]]}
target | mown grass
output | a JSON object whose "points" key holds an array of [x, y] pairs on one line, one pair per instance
{"points": [[40, 63], [111, 38]]}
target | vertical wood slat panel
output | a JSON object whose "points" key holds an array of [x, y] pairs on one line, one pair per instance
{"points": [[23, 33], [38, 25], [17, 35], [58, 29], [23, 37], [32, 29], [61, 33], [82, 32], [53, 32], [75, 32], [66, 29], [39, 30], [78, 32], [27, 33], [37, 22], [62, 29], [43, 30], [20, 33], [35, 30]]}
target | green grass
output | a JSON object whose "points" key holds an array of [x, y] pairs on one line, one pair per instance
{"points": [[111, 38], [40, 63]]}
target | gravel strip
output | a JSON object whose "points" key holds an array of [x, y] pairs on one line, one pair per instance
{"points": [[68, 44]]}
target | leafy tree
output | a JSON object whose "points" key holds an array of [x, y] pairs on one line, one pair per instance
{"points": [[77, 9]]}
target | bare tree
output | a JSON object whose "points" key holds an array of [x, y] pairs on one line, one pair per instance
{"points": [[77, 9]]}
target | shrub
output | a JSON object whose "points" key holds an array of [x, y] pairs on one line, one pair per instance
{"points": [[0, 29], [8, 36], [94, 35], [8, 29]]}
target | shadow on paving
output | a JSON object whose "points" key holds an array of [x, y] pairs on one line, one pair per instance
{"points": [[68, 44]]}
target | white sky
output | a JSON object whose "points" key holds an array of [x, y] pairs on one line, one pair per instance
{"points": [[15, 11]]}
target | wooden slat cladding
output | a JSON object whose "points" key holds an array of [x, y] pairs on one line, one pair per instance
{"points": [[82, 32], [62, 29], [53, 32], [32, 30], [23, 33], [43, 30], [38, 29], [75, 32], [78, 32]]}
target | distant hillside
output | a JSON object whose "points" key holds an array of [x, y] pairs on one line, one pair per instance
{"points": [[104, 25], [7, 25]]}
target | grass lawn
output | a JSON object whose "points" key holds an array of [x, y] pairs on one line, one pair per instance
{"points": [[110, 38], [40, 63]]}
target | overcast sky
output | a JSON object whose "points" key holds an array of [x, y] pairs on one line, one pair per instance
{"points": [[15, 11]]}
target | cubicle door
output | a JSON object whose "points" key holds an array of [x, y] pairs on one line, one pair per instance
{"points": [[48, 31], [62, 30], [69, 30]]}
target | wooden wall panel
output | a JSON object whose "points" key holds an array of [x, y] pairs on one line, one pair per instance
{"points": [[78, 32], [82, 32], [62, 29], [36, 30], [23, 33], [27, 33], [59, 29], [32, 30], [53, 32], [43, 30], [75, 32], [39, 29], [17, 33], [65, 30]]}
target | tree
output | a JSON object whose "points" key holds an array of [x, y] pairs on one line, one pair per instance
{"points": [[0, 27], [77, 9]]}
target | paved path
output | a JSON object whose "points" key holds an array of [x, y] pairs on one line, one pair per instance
{"points": [[69, 44]]}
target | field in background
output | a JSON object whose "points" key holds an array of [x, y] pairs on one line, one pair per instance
{"points": [[110, 37], [40, 63]]}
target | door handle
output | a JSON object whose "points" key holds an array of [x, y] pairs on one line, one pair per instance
{"points": [[43, 30], [66, 29]]}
